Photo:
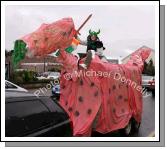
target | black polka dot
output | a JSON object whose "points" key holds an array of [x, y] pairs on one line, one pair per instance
{"points": [[66, 103], [109, 91], [126, 86], [113, 110], [76, 113], [116, 75], [46, 39], [122, 110], [81, 82], [89, 111], [113, 87], [69, 32], [35, 41], [92, 84], [96, 94], [70, 109], [135, 64], [63, 87], [125, 99], [120, 97], [63, 33], [80, 99]]}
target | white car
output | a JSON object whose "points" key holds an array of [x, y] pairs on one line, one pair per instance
{"points": [[41, 78], [53, 75], [146, 81], [9, 86]]}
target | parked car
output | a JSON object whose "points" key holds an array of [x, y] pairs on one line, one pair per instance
{"points": [[145, 81], [41, 78], [152, 86], [29, 116], [148, 82], [53, 75], [13, 87], [56, 92], [48, 75]]}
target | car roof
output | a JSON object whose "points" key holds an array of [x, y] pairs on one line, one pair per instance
{"points": [[17, 96], [147, 76]]}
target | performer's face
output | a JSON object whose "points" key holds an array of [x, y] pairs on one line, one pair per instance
{"points": [[93, 37]]}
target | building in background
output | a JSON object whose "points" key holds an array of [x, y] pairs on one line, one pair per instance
{"points": [[31, 64], [113, 60], [42, 64]]}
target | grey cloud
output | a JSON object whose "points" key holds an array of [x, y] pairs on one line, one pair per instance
{"points": [[123, 28]]}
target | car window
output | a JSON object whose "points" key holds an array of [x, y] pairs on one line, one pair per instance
{"points": [[54, 73], [147, 77], [24, 117], [8, 85], [58, 114], [53, 106]]}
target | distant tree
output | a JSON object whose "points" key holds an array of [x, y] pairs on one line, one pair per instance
{"points": [[8, 53]]}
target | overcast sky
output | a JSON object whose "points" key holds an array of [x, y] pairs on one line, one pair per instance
{"points": [[123, 28]]}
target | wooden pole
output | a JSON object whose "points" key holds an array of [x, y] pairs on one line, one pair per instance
{"points": [[83, 23]]}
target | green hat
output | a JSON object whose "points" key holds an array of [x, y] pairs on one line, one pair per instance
{"points": [[94, 33]]}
